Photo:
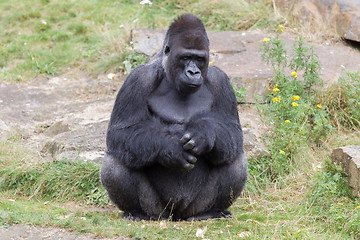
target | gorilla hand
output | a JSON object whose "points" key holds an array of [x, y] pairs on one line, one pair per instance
{"points": [[178, 159], [198, 142]]}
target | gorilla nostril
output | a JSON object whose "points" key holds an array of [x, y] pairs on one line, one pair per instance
{"points": [[192, 73]]}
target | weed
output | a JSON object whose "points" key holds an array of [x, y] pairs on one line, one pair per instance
{"points": [[343, 102], [330, 198], [124, 61], [61, 179], [240, 93], [295, 116]]}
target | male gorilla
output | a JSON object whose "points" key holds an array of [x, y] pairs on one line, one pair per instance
{"points": [[174, 141]]}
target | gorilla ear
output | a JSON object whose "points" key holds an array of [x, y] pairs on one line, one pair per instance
{"points": [[167, 50]]}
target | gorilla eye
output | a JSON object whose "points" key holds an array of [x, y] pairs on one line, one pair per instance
{"points": [[167, 49], [185, 58], [200, 59]]}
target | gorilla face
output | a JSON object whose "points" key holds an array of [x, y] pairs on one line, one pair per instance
{"points": [[189, 69], [186, 60]]}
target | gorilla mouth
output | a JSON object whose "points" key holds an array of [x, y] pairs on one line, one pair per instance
{"points": [[193, 85]]}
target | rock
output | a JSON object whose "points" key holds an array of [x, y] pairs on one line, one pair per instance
{"points": [[240, 57], [52, 148], [57, 128], [3, 126], [253, 129], [349, 158], [342, 15], [147, 41]]}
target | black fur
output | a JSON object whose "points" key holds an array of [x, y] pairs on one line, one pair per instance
{"points": [[174, 141]]}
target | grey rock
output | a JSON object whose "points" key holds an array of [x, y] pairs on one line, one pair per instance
{"points": [[240, 57], [349, 158], [52, 147], [147, 42], [342, 15], [57, 128]]}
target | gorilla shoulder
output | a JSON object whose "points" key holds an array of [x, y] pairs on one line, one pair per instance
{"points": [[216, 76], [146, 75]]}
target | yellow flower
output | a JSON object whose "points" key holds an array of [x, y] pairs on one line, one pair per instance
{"points": [[282, 152], [358, 207], [210, 63], [295, 29], [276, 99], [281, 27], [266, 40], [340, 204], [287, 121], [295, 98], [319, 106], [294, 104], [276, 86], [276, 89], [294, 74]]}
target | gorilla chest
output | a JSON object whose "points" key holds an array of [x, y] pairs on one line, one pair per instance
{"points": [[172, 107]]}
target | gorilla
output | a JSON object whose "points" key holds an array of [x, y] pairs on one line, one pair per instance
{"points": [[174, 140]]}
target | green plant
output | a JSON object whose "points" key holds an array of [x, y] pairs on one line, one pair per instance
{"points": [[240, 93], [61, 180], [296, 118], [330, 198], [131, 59], [343, 102], [124, 61]]}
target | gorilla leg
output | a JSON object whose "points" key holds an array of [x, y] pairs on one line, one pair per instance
{"points": [[130, 190], [229, 182]]}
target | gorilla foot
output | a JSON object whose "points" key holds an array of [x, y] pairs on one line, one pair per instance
{"points": [[136, 216], [211, 214]]}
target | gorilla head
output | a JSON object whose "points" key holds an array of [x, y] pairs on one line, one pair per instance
{"points": [[186, 54]]}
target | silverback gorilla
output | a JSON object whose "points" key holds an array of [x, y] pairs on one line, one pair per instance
{"points": [[174, 141]]}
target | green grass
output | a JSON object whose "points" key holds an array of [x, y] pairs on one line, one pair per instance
{"points": [[47, 37], [304, 205]]}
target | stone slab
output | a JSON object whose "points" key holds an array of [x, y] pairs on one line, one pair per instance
{"points": [[238, 54], [342, 15], [349, 158]]}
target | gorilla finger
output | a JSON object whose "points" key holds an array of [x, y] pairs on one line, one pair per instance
{"points": [[189, 145], [185, 138], [198, 150], [195, 151], [191, 159], [188, 166]]}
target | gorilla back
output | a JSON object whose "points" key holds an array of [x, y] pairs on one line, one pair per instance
{"points": [[174, 141]]}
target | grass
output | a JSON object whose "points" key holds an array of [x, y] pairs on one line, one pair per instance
{"points": [[46, 37], [304, 205]]}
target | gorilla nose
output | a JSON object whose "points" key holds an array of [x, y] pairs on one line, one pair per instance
{"points": [[193, 72], [193, 75]]}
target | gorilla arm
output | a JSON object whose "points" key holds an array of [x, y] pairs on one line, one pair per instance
{"points": [[135, 137], [216, 134]]}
